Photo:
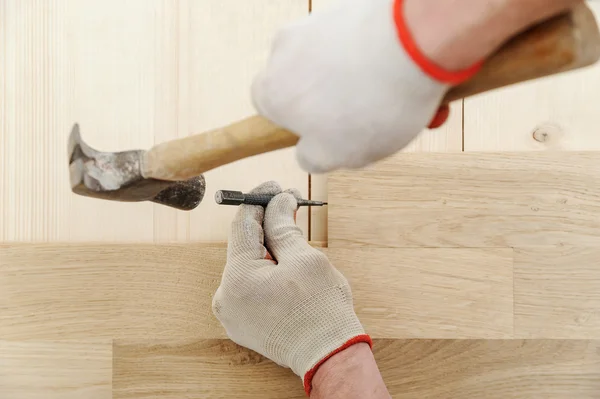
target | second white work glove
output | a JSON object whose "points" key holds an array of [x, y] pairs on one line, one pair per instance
{"points": [[352, 83], [296, 310]]}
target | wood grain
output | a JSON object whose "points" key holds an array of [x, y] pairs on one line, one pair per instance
{"points": [[513, 369], [133, 74], [437, 369], [109, 291], [189, 157], [468, 200], [78, 61], [198, 369], [56, 370], [127, 291], [430, 293], [557, 292]]}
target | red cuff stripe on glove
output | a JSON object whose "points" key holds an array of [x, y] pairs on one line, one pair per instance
{"points": [[427, 65], [311, 373]]}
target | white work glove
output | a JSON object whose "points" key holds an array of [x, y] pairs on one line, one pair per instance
{"points": [[350, 81], [296, 310]]}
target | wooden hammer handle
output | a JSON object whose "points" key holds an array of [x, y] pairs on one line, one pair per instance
{"points": [[563, 43]]}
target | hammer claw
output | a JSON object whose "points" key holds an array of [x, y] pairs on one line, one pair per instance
{"points": [[117, 176]]}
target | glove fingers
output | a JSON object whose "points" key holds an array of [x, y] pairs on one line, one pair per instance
{"points": [[297, 195], [247, 236], [283, 238], [269, 187]]}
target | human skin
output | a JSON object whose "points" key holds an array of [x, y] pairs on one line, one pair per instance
{"points": [[351, 374], [459, 33]]}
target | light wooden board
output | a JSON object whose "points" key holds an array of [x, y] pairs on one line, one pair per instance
{"points": [[469, 200], [56, 370], [109, 291], [54, 291], [439, 369], [431, 293], [560, 109], [198, 369], [448, 138], [132, 74], [557, 292]]}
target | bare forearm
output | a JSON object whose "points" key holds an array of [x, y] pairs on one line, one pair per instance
{"points": [[458, 33], [351, 374]]}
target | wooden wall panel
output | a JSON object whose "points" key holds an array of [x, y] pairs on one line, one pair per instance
{"points": [[198, 370], [56, 370], [132, 74], [557, 292], [560, 111], [430, 293], [440, 369], [225, 44], [468, 200], [146, 291], [109, 291], [491, 369], [97, 63]]}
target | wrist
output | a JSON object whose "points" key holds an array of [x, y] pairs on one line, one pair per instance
{"points": [[314, 331], [349, 374], [457, 35], [433, 33]]}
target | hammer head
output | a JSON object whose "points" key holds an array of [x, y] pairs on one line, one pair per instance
{"points": [[117, 176]]}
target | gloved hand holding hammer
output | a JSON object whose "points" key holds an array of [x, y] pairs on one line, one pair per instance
{"points": [[361, 79]]}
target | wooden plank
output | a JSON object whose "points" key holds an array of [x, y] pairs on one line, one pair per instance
{"points": [[96, 63], [198, 369], [229, 42], [132, 74], [109, 291], [56, 370], [468, 200], [445, 139], [430, 293], [560, 110], [557, 292], [440, 369], [62, 291]]}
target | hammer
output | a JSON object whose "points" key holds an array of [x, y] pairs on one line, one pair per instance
{"points": [[171, 173]]}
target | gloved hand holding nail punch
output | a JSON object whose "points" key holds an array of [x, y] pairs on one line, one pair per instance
{"points": [[283, 299]]}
